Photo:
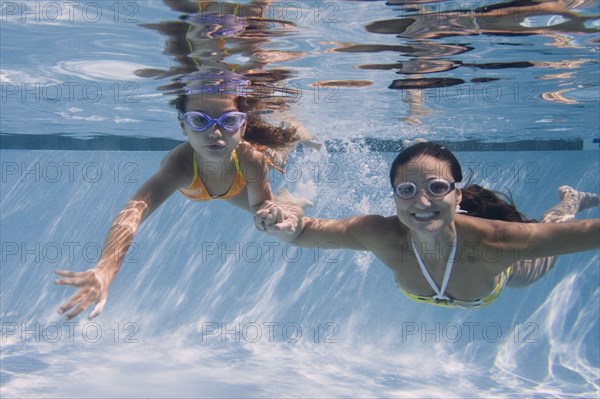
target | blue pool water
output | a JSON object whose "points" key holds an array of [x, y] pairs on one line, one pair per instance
{"points": [[205, 306]]}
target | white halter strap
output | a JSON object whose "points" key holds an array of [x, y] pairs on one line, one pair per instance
{"points": [[439, 292]]}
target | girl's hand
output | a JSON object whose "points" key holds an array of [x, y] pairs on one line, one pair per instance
{"points": [[92, 288], [274, 217]]}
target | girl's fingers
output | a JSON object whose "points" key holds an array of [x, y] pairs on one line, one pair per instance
{"points": [[65, 273], [69, 278], [98, 309], [80, 308], [72, 302]]}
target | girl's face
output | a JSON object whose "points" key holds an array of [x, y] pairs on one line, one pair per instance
{"points": [[427, 210], [216, 142]]}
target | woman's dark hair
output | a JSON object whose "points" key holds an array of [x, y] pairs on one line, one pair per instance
{"points": [[483, 203], [426, 148], [258, 131], [476, 200]]}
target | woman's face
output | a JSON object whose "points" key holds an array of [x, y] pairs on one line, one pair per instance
{"points": [[425, 212], [214, 143]]}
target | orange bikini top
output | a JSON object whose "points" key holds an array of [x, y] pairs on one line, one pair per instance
{"points": [[197, 191]]}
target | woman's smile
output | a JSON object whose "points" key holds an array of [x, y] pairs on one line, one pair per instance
{"points": [[425, 216]]}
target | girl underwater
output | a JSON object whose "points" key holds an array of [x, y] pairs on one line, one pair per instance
{"points": [[226, 138]]}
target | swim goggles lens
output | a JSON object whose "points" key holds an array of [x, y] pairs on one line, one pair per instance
{"points": [[232, 121], [406, 190], [434, 188], [229, 121], [439, 187]]}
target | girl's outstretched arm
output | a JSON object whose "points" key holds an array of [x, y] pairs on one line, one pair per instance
{"points": [[255, 168], [92, 284]]}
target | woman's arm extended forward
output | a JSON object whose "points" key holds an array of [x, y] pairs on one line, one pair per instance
{"points": [[288, 223]]}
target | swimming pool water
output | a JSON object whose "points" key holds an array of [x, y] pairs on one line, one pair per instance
{"points": [[204, 311], [204, 305]]}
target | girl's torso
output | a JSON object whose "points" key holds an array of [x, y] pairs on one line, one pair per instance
{"points": [[214, 180], [210, 180]]}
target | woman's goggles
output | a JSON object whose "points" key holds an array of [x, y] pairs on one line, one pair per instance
{"points": [[434, 188], [229, 121]]}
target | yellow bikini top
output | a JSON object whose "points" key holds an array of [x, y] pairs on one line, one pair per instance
{"points": [[197, 191], [460, 303], [440, 298]]}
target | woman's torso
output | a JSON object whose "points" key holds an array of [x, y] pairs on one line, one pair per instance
{"points": [[471, 276]]}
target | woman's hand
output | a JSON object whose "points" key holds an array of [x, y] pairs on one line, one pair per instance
{"points": [[92, 288]]}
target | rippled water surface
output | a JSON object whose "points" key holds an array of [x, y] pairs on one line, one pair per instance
{"points": [[392, 70]]}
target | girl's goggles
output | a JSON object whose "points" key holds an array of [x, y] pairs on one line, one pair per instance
{"points": [[229, 121]]}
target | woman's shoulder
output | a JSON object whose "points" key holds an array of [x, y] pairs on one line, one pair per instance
{"points": [[485, 231], [378, 228], [472, 224], [380, 221]]}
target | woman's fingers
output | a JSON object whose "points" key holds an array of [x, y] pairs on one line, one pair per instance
{"points": [[265, 217], [286, 227]]}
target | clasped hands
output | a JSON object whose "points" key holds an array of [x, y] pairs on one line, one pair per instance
{"points": [[276, 217]]}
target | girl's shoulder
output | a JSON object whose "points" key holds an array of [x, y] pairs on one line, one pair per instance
{"points": [[180, 159], [251, 153]]}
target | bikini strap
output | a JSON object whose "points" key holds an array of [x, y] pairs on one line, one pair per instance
{"points": [[195, 165], [237, 163], [439, 293]]}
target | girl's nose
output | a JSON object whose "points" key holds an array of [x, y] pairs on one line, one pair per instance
{"points": [[215, 132]]}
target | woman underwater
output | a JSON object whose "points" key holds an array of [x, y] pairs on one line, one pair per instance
{"points": [[438, 254]]}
